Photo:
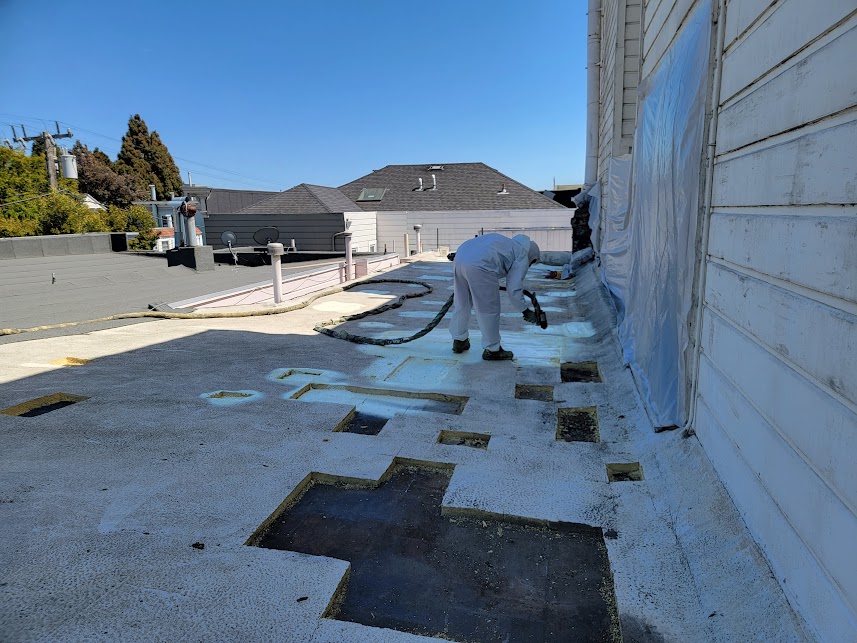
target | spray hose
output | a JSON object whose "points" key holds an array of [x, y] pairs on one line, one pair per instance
{"points": [[321, 327]]}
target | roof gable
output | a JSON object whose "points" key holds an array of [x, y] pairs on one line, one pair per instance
{"points": [[460, 186]]}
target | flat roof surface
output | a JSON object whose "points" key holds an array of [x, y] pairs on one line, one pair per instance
{"points": [[50, 290], [133, 506]]}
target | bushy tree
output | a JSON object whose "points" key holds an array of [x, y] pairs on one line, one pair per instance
{"points": [[139, 219], [29, 207], [23, 182], [13, 226], [98, 179], [145, 160], [134, 219], [21, 175], [145, 240], [63, 214]]}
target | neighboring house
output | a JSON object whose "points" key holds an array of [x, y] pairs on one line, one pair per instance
{"points": [[166, 239], [731, 256], [452, 203], [92, 203], [217, 200], [313, 215]]}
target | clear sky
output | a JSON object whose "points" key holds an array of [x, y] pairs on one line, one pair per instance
{"points": [[277, 93]]}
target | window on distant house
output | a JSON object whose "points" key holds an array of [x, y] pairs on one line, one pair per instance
{"points": [[371, 194]]}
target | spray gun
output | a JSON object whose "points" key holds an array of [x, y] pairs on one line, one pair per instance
{"points": [[541, 317]]}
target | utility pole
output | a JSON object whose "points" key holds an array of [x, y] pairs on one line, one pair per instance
{"points": [[50, 151]]}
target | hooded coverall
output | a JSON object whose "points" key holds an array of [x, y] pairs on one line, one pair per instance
{"points": [[479, 264]]}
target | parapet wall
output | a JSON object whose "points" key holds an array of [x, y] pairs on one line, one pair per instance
{"points": [[59, 245]]}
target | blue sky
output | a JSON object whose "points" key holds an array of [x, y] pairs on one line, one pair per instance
{"points": [[273, 94]]}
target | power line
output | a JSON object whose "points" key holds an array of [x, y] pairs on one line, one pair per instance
{"points": [[32, 198], [186, 160], [278, 184]]}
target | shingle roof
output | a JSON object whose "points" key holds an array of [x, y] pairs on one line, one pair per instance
{"points": [[460, 186], [229, 201], [303, 199]]}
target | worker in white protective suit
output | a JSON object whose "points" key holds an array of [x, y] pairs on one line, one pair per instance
{"points": [[479, 265]]}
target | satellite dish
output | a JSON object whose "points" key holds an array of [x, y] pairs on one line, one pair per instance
{"points": [[264, 236], [228, 238]]}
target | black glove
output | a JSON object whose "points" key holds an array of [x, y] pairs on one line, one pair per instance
{"points": [[530, 316]]}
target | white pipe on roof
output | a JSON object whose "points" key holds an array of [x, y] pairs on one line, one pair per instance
{"points": [[593, 91]]}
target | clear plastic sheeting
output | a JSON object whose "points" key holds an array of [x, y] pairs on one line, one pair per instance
{"points": [[616, 237], [648, 249]]}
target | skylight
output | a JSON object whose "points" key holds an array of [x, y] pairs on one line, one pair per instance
{"points": [[435, 167], [371, 194]]}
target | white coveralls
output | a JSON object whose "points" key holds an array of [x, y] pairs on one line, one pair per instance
{"points": [[479, 264]]}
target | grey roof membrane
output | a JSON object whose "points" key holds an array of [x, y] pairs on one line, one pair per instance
{"points": [[97, 285], [304, 199]]}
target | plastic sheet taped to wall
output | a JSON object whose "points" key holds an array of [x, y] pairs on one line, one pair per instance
{"points": [[647, 249], [615, 256]]}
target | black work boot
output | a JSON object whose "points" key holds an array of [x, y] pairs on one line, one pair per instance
{"points": [[499, 354], [460, 345]]}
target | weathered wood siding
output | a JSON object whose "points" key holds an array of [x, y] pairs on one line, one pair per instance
{"points": [[777, 400], [620, 75], [776, 406], [630, 77], [607, 96]]}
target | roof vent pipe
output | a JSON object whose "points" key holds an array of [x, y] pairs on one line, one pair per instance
{"points": [[434, 181], [420, 179], [152, 192], [593, 84]]}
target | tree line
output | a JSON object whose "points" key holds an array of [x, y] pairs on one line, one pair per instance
{"points": [[29, 207]]}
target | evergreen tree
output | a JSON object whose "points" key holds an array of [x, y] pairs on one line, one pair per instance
{"points": [[145, 159], [163, 166], [102, 158], [131, 161], [38, 148]]}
